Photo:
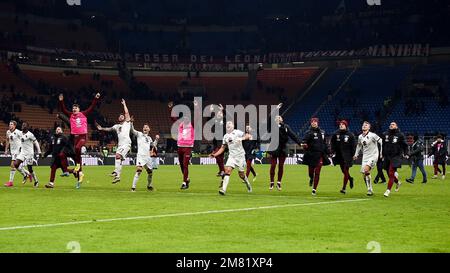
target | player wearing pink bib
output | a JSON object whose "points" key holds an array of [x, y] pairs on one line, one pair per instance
{"points": [[78, 128]]}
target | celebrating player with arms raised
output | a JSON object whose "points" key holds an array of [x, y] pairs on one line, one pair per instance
{"points": [[124, 141], [78, 129], [236, 158], [143, 158]]}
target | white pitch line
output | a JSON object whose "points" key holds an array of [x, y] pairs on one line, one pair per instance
{"points": [[178, 214]]}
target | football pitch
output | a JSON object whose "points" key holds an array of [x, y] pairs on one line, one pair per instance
{"points": [[102, 217]]}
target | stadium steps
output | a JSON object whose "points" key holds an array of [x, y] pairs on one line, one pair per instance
{"points": [[370, 86], [3, 128], [300, 113]]}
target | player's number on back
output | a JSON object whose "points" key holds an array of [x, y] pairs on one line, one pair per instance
{"points": [[375, 247], [74, 247]]}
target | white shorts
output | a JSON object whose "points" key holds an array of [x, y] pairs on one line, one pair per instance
{"points": [[142, 161], [14, 156], [371, 162], [155, 162], [237, 163], [123, 150], [27, 159]]}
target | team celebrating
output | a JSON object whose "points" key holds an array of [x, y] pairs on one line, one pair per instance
{"points": [[386, 151]]}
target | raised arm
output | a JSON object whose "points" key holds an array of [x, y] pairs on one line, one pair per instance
{"points": [[64, 118], [133, 131], [92, 106], [100, 128], [275, 110], [125, 110], [170, 106], [62, 105], [196, 119]]}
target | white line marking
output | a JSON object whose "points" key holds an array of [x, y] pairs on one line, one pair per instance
{"points": [[178, 214]]}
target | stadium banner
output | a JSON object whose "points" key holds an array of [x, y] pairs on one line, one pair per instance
{"points": [[375, 51], [296, 159]]}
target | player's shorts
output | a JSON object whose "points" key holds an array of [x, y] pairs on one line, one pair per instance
{"points": [[27, 159], [155, 162], [236, 163], [14, 156], [142, 161], [371, 162], [123, 150]]}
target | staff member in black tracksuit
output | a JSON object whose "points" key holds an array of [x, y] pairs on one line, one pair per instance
{"points": [[394, 149], [343, 146], [58, 146], [280, 151], [250, 145], [316, 152]]}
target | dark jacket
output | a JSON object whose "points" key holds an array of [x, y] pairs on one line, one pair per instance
{"points": [[316, 148], [250, 147], [394, 147], [415, 152], [439, 150], [58, 144], [69, 149], [343, 146], [284, 133]]}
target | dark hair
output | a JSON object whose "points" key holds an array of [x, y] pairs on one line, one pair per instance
{"points": [[75, 105], [439, 136]]}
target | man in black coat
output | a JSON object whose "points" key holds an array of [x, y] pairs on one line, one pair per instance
{"points": [[439, 151], [416, 157], [316, 152], [58, 146], [394, 149], [280, 151], [343, 146]]}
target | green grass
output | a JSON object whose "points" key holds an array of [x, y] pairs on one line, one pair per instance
{"points": [[416, 219]]}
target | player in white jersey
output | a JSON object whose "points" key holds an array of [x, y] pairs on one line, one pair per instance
{"points": [[124, 141], [13, 144], [143, 159], [368, 143], [26, 155], [236, 156]]}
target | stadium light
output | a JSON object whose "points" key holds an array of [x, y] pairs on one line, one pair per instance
{"points": [[374, 2], [73, 2]]}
